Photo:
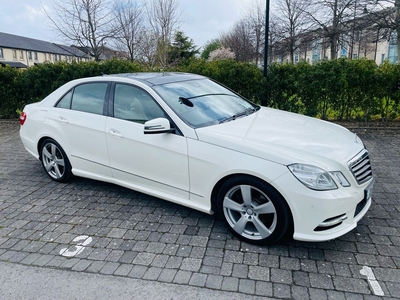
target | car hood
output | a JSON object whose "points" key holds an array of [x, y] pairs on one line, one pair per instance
{"points": [[286, 138]]}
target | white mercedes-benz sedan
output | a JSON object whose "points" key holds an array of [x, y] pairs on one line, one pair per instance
{"points": [[189, 140]]}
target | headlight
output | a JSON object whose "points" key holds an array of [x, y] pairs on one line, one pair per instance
{"points": [[313, 177]]}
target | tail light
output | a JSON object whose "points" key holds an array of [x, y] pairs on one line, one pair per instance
{"points": [[22, 118]]}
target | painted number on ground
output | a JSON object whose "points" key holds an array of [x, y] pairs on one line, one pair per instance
{"points": [[376, 288], [82, 241]]}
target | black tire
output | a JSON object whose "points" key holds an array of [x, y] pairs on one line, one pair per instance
{"points": [[253, 210], [54, 161]]}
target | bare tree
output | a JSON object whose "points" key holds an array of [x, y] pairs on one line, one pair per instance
{"points": [[275, 36], [148, 48], [389, 17], [256, 20], [163, 17], [128, 24], [240, 41], [293, 20], [83, 22], [331, 17]]}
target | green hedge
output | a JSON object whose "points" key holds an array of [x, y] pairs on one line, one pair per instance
{"points": [[336, 90]]}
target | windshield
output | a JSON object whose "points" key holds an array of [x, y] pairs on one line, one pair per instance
{"points": [[203, 102]]}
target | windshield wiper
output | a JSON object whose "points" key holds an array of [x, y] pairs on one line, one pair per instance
{"points": [[246, 112], [186, 100], [211, 94]]}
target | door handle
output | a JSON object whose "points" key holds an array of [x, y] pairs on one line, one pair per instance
{"points": [[115, 133], [63, 120]]}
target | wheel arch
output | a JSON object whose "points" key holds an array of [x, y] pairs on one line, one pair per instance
{"points": [[220, 183], [40, 142]]}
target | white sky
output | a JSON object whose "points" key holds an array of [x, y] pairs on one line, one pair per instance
{"points": [[202, 20]]}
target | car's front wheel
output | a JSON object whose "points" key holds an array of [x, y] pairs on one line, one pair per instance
{"points": [[254, 211], [55, 162]]}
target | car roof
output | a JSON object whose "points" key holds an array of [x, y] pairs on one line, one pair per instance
{"points": [[153, 78]]}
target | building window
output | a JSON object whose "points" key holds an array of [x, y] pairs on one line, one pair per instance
{"points": [[316, 53], [30, 55], [35, 55], [21, 54], [383, 58], [296, 57], [344, 50], [392, 55], [55, 57], [1, 53], [14, 54]]}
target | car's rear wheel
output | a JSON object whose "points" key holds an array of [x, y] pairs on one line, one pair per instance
{"points": [[55, 162], [254, 211]]}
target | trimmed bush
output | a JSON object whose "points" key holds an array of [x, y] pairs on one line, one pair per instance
{"points": [[337, 90]]}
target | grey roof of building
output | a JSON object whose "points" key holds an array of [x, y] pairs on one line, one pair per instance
{"points": [[72, 50], [23, 43]]}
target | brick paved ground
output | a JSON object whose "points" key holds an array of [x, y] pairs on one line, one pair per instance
{"points": [[137, 236]]}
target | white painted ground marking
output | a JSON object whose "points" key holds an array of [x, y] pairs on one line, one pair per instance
{"points": [[75, 250], [376, 288]]}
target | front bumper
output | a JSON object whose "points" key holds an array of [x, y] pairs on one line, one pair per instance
{"points": [[324, 215]]}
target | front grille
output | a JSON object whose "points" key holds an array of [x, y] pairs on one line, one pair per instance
{"points": [[360, 166]]}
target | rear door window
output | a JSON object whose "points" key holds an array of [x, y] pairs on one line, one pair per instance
{"points": [[89, 97]]}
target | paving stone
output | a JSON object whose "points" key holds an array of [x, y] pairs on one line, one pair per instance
{"points": [[137, 271], [321, 281], [123, 270], [115, 255], [299, 292], [144, 259], [167, 275], [152, 273], [281, 290], [174, 262], [109, 268], [233, 257], [69, 263], [198, 279], [30, 259], [351, 285], [259, 273], [182, 277], [230, 284], [200, 241], [210, 270], [281, 276], [17, 257], [264, 289], [214, 281], [191, 264], [82, 265], [247, 286], [95, 266], [226, 269], [56, 261], [240, 271], [43, 260], [212, 261]]}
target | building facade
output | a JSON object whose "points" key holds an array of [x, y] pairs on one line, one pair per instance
{"points": [[22, 52], [367, 37]]}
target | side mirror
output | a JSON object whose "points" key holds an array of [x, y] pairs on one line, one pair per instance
{"points": [[159, 125]]}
